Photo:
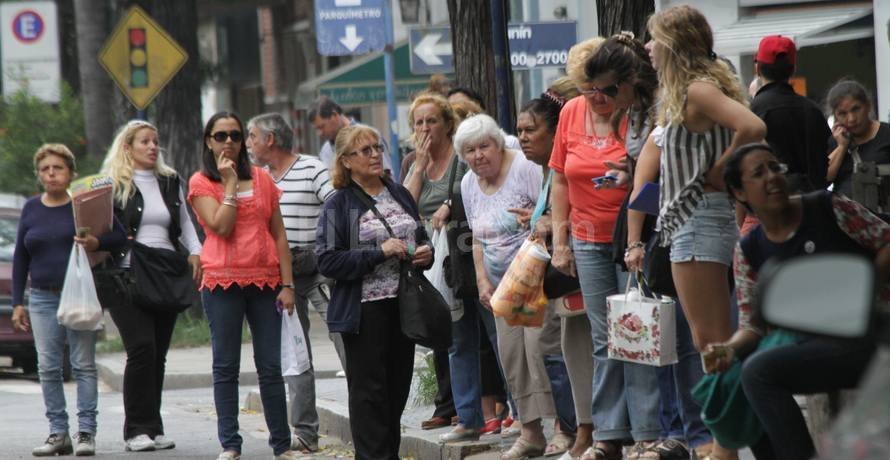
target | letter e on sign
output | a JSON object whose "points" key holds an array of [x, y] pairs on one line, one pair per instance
{"points": [[27, 26]]}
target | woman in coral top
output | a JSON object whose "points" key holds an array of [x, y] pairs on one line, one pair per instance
{"points": [[247, 270]]}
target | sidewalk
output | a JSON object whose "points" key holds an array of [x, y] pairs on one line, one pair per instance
{"points": [[192, 367]]}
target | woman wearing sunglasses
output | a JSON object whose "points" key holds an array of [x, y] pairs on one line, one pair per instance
{"points": [[247, 271]]}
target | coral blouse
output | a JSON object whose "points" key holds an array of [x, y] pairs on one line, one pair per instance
{"points": [[249, 255]]}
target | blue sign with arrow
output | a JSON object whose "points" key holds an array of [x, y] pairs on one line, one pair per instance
{"points": [[532, 44], [345, 27]]}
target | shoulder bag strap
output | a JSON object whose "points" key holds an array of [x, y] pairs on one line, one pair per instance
{"points": [[454, 163], [363, 197], [543, 199]]}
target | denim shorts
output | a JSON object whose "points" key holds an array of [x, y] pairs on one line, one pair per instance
{"points": [[710, 234]]}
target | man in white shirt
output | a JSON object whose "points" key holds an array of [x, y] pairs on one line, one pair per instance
{"points": [[305, 184], [328, 119]]}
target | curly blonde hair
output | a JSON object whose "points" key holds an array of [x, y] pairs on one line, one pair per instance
{"points": [[687, 55], [118, 163], [578, 56]]}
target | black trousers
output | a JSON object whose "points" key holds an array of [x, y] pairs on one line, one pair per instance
{"points": [[773, 376], [379, 367], [146, 336], [444, 400]]}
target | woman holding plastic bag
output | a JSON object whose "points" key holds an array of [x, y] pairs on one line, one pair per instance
{"points": [[43, 245], [501, 179]]}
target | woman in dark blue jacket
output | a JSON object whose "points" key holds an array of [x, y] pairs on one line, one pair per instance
{"points": [[356, 250]]}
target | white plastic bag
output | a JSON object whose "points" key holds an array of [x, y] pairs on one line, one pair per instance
{"points": [[436, 274], [294, 350], [79, 307]]}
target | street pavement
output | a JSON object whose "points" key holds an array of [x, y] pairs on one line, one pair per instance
{"points": [[189, 415]]}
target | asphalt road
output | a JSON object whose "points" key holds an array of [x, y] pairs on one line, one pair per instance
{"points": [[189, 419]]}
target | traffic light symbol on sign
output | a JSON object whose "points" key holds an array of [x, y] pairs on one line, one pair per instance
{"points": [[138, 58]]}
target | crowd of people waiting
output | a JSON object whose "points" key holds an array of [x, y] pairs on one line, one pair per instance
{"points": [[741, 181]]}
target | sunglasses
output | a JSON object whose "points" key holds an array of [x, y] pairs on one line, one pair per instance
{"points": [[369, 150], [610, 91], [221, 136]]}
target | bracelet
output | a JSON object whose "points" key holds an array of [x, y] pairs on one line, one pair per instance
{"points": [[635, 245], [447, 203], [229, 203], [288, 285]]}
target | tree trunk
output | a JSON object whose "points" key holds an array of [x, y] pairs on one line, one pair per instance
{"points": [[614, 16], [474, 60], [177, 109], [92, 22]]}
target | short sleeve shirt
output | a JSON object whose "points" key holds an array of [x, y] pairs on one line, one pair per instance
{"points": [[249, 255], [493, 226], [581, 157]]}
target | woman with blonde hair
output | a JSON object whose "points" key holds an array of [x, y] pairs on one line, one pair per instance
{"points": [[362, 249], [705, 118], [148, 201]]}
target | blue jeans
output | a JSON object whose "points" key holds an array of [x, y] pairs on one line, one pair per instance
{"points": [[680, 413], [625, 395], [561, 390], [463, 358], [226, 310], [49, 339]]}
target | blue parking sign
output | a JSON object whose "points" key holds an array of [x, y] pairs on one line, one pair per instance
{"points": [[345, 27]]}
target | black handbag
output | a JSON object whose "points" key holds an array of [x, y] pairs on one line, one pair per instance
{"points": [[424, 317], [458, 265], [658, 269], [162, 279], [304, 262]]}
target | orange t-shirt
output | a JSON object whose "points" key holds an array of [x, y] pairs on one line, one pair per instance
{"points": [[249, 255], [580, 157]]}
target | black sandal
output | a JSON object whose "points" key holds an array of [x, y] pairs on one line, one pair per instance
{"points": [[600, 452]]}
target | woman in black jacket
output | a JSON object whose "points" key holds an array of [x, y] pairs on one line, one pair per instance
{"points": [[148, 202], [356, 250]]}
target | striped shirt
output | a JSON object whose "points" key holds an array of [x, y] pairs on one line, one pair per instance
{"points": [[685, 159], [305, 186]]}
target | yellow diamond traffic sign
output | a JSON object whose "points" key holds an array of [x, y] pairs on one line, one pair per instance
{"points": [[141, 57]]}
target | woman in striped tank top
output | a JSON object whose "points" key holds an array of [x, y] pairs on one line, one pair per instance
{"points": [[704, 114]]}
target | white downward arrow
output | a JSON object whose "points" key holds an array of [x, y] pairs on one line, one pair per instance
{"points": [[429, 49], [351, 40]]}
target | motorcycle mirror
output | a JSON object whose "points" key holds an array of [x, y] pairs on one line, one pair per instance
{"points": [[824, 294]]}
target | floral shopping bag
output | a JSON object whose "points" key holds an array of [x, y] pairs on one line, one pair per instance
{"points": [[642, 329]]}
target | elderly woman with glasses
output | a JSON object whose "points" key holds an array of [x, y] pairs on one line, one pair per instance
{"points": [[501, 180], [356, 249]]}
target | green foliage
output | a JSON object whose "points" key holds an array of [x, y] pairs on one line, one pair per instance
{"points": [[188, 333], [425, 384], [26, 123]]}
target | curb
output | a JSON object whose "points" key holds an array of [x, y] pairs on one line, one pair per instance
{"points": [[333, 422], [181, 381]]}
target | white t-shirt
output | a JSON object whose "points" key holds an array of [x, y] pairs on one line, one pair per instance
{"points": [[493, 226], [305, 186]]}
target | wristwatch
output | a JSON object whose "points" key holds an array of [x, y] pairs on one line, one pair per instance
{"points": [[288, 285], [447, 203]]}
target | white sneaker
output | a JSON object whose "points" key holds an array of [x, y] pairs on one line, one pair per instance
{"points": [[162, 442], [141, 443], [341, 374]]}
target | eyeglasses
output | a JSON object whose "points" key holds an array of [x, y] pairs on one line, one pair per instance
{"points": [[221, 136], [773, 166], [369, 150], [610, 91]]}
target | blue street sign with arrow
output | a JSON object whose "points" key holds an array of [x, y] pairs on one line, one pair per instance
{"points": [[532, 44], [345, 27]]}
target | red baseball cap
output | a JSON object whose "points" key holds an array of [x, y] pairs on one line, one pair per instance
{"points": [[774, 45]]}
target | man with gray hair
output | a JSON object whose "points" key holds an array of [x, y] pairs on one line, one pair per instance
{"points": [[306, 185]]}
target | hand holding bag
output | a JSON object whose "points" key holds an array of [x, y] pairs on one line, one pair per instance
{"points": [[79, 307], [556, 283], [519, 297], [424, 316], [642, 329]]}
